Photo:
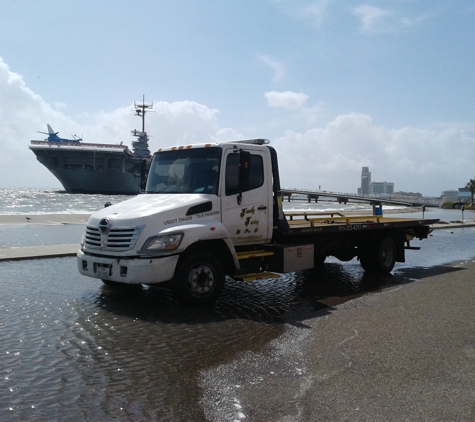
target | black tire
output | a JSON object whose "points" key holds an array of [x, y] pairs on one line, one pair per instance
{"points": [[367, 262], [380, 257], [199, 279]]}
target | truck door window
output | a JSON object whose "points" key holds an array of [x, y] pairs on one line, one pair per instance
{"points": [[256, 177]]}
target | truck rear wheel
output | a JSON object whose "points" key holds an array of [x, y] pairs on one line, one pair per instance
{"points": [[199, 279], [379, 257]]}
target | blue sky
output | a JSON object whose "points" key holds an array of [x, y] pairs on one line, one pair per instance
{"points": [[335, 85]]}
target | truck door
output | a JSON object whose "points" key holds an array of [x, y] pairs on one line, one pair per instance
{"points": [[246, 208]]}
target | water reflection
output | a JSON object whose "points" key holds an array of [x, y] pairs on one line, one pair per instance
{"points": [[71, 346]]}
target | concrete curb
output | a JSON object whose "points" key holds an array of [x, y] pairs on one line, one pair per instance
{"points": [[34, 252], [460, 225]]}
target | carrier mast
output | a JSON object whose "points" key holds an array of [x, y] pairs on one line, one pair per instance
{"points": [[140, 146]]}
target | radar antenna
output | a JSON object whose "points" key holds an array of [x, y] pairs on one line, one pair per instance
{"points": [[141, 110], [140, 146]]}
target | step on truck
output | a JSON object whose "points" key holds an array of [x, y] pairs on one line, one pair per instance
{"points": [[215, 210]]}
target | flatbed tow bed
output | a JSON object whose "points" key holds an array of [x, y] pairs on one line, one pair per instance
{"points": [[303, 223], [378, 242]]}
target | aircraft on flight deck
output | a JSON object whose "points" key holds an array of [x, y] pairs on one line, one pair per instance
{"points": [[53, 136]]}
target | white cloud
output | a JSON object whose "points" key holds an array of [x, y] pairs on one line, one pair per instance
{"points": [[421, 160], [278, 68], [287, 99], [411, 22], [61, 105], [326, 152], [228, 134], [374, 19], [312, 115], [371, 17], [315, 13]]}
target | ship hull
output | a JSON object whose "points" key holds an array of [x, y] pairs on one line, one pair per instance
{"points": [[93, 168], [104, 182]]}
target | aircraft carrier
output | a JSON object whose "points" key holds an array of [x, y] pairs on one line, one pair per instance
{"points": [[97, 168]]}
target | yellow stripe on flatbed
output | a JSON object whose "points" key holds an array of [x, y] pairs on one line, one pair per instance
{"points": [[339, 220]]}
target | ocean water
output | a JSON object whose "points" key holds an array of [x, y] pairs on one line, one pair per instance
{"points": [[18, 201], [51, 201]]}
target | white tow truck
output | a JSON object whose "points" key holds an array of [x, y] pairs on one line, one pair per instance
{"points": [[215, 210]]}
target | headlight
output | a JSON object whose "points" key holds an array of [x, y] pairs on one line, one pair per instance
{"points": [[164, 243]]}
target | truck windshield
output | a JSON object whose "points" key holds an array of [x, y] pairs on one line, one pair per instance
{"points": [[185, 171]]}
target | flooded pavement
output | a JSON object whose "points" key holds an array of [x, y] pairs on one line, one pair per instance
{"points": [[72, 349], [18, 236]]}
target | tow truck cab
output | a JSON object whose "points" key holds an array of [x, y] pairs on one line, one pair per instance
{"points": [[202, 203]]}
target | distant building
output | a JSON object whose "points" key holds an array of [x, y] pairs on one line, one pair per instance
{"points": [[381, 187], [449, 195], [411, 194], [368, 187], [462, 195], [365, 181]]}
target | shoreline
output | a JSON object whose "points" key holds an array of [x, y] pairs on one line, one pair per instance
{"points": [[45, 219]]}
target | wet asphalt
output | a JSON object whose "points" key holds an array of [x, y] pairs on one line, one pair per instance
{"points": [[405, 353], [333, 344]]}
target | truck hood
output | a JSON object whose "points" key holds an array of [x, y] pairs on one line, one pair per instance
{"points": [[166, 207]]}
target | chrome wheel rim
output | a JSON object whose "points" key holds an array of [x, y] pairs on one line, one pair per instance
{"points": [[201, 280]]}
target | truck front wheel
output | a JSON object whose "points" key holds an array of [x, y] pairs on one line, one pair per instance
{"points": [[199, 279], [379, 257]]}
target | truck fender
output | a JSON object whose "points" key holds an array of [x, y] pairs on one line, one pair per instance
{"points": [[208, 230]]}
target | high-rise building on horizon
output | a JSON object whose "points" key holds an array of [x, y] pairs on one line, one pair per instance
{"points": [[365, 181]]}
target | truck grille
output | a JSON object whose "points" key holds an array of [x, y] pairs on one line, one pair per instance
{"points": [[117, 239]]}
